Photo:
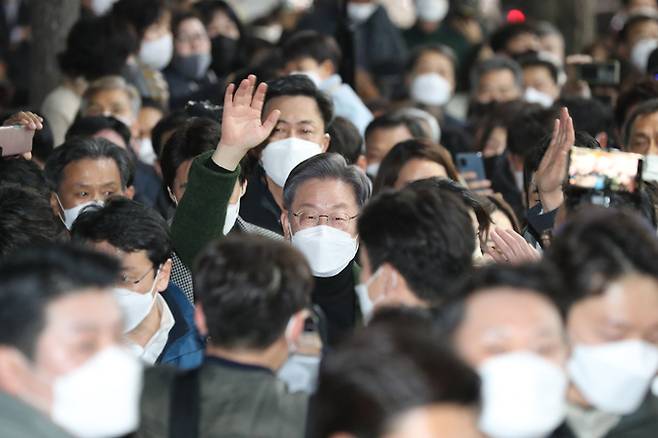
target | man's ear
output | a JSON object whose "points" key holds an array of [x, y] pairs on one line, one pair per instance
{"points": [[200, 320], [244, 187], [326, 140], [328, 69], [54, 205], [129, 192], [285, 224], [602, 138], [163, 278], [296, 326], [13, 369], [362, 162]]}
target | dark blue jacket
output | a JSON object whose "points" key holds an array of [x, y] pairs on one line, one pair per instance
{"points": [[185, 347]]}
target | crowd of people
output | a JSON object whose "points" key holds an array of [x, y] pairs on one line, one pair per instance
{"points": [[339, 219]]}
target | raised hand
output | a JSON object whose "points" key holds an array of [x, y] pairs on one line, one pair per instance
{"points": [[553, 167], [25, 119], [510, 247], [242, 124]]}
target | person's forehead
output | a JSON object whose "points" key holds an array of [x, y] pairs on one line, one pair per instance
{"points": [[295, 109], [91, 171], [324, 193], [134, 259], [389, 134], [190, 25], [434, 57], [507, 306], [536, 69], [497, 75], [82, 309], [110, 95], [646, 122]]}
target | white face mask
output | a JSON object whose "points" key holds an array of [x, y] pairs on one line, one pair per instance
{"points": [[523, 396], [430, 89], [432, 11], [360, 12], [518, 179], [641, 51], [328, 250], [71, 214], [280, 157], [232, 212], [313, 76], [614, 377], [373, 169], [368, 306], [157, 53], [135, 306], [533, 95], [101, 397], [100, 7], [146, 153]]}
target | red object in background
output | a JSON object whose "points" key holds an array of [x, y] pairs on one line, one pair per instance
{"points": [[515, 16]]}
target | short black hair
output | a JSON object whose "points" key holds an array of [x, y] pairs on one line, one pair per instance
{"points": [[97, 47], [494, 64], [327, 166], [393, 120], [208, 8], [127, 225], [541, 278], [300, 85], [426, 234], [643, 109], [537, 60], [166, 125], [88, 126], [26, 220], [504, 34], [383, 372], [441, 49], [140, 14], [589, 115], [43, 142], [530, 124], [408, 150], [194, 137], [249, 287], [598, 245], [345, 139], [638, 92], [25, 173], [37, 276], [77, 149], [312, 44], [633, 20]]}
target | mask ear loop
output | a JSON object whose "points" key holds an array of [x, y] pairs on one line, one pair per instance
{"points": [[59, 202], [172, 196]]}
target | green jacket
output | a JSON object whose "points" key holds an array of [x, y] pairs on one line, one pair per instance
{"points": [[19, 420], [200, 217], [235, 401]]}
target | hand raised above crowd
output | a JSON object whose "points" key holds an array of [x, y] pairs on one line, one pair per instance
{"points": [[26, 119], [242, 125]]}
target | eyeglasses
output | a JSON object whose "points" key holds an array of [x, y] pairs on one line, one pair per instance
{"points": [[307, 218], [126, 281]]}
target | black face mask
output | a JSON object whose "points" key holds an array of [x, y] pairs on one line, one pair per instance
{"points": [[224, 55], [477, 111]]}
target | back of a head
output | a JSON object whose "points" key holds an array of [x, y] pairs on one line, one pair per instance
{"points": [[23, 172], [26, 219], [87, 148], [194, 137], [506, 33], [629, 98], [597, 245], [140, 14], [406, 151], [426, 234], [249, 287], [165, 127], [345, 139], [529, 126], [91, 125], [126, 225], [589, 115], [383, 372], [311, 44], [393, 120], [39, 275]]}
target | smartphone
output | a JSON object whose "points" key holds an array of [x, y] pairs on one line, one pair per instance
{"points": [[600, 73], [15, 140], [605, 170], [471, 162]]}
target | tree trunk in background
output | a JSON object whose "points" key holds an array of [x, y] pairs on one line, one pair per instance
{"points": [[51, 22]]}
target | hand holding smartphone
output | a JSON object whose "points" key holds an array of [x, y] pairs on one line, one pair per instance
{"points": [[15, 140]]}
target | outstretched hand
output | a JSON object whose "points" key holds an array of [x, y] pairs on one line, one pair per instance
{"points": [[553, 167], [242, 124], [511, 247]]}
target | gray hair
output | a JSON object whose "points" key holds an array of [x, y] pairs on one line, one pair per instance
{"points": [[107, 83], [327, 166], [493, 64]]}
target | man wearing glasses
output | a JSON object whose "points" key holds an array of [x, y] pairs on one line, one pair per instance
{"points": [[158, 319]]}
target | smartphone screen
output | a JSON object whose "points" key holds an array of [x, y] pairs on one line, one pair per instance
{"points": [[604, 73], [601, 170], [15, 140]]}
